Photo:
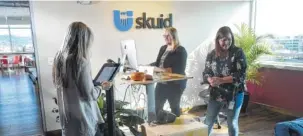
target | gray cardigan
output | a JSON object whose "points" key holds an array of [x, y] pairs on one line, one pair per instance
{"points": [[78, 108]]}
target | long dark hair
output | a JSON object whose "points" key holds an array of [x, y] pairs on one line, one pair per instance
{"points": [[222, 32], [75, 47]]}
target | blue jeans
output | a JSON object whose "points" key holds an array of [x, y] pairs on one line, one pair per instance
{"points": [[214, 108], [289, 128]]}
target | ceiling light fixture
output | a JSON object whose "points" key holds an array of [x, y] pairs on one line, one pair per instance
{"points": [[86, 2]]}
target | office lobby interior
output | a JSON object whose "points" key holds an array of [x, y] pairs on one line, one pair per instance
{"points": [[269, 32]]}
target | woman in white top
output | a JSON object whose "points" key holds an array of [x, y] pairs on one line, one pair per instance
{"points": [[77, 95]]}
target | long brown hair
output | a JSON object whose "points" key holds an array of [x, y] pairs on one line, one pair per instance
{"points": [[75, 47], [174, 33], [222, 32]]}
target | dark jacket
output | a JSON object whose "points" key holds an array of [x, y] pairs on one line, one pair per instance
{"points": [[176, 60], [236, 67]]}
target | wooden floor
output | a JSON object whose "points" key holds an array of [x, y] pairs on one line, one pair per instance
{"points": [[19, 107], [20, 113], [259, 121]]}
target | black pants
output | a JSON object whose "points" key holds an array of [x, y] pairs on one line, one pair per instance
{"points": [[170, 92]]}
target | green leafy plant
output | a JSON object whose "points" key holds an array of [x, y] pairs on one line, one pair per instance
{"points": [[122, 116], [253, 46]]}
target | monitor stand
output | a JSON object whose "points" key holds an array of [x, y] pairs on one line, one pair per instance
{"points": [[124, 58], [125, 68]]}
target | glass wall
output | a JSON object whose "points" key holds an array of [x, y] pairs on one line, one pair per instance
{"points": [[16, 34], [5, 43], [15, 28], [282, 19], [16, 38]]}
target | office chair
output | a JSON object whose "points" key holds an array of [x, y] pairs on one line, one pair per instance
{"points": [[205, 95]]}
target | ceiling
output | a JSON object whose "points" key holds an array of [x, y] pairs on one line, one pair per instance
{"points": [[14, 11], [14, 3], [14, 8]]}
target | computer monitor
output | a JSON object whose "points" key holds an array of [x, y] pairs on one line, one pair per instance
{"points": [[129, 53]]}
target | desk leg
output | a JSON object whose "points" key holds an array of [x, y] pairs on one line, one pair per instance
{"points": [[151, 106]]}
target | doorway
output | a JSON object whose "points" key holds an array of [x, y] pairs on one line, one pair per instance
{"points": [[20, 108]]}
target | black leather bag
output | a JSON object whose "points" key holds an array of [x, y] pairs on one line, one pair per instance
{"points": [[165, 117]]}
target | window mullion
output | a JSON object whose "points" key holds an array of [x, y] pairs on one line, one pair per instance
{"points": [[10, 38]]}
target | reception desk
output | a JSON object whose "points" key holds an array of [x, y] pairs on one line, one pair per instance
{"points": [[150, 89]]}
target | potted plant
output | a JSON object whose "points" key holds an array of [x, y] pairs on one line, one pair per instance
{"points": [[123, 117], [253, 46]]}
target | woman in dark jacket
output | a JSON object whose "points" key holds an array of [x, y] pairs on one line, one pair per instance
{"points": [[225, 71], [172, 58]]}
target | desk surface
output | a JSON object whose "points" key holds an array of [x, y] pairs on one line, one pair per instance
{"points": [[157, 79]]}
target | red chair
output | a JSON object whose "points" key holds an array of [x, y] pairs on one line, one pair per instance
{"points": [[16, 64], [26, 61], [4, 62], [21, 59], [16, 61]]}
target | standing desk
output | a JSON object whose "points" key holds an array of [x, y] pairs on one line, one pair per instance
{"points": [[150, 91]]}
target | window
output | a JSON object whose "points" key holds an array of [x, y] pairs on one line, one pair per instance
{"points": [[5, 44], [282, 19], [21, 39], [16, 38]]}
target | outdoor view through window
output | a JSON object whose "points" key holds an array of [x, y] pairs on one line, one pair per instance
{"points": [[15, 30], [283, 21], [16, 38]]}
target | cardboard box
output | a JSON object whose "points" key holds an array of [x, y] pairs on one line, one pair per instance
{"points": [[185, 125]]}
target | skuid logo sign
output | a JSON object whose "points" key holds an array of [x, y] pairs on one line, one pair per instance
{"points": [[125, 20]]}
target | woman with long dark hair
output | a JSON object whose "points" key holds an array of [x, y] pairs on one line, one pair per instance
{"points": [[225, 71], [77, 95]]}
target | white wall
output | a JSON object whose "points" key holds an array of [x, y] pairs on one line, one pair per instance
{"points": [[196, 21]]}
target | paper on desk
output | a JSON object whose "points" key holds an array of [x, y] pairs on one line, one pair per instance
{"points": [[147, 69], [157, 69]]}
